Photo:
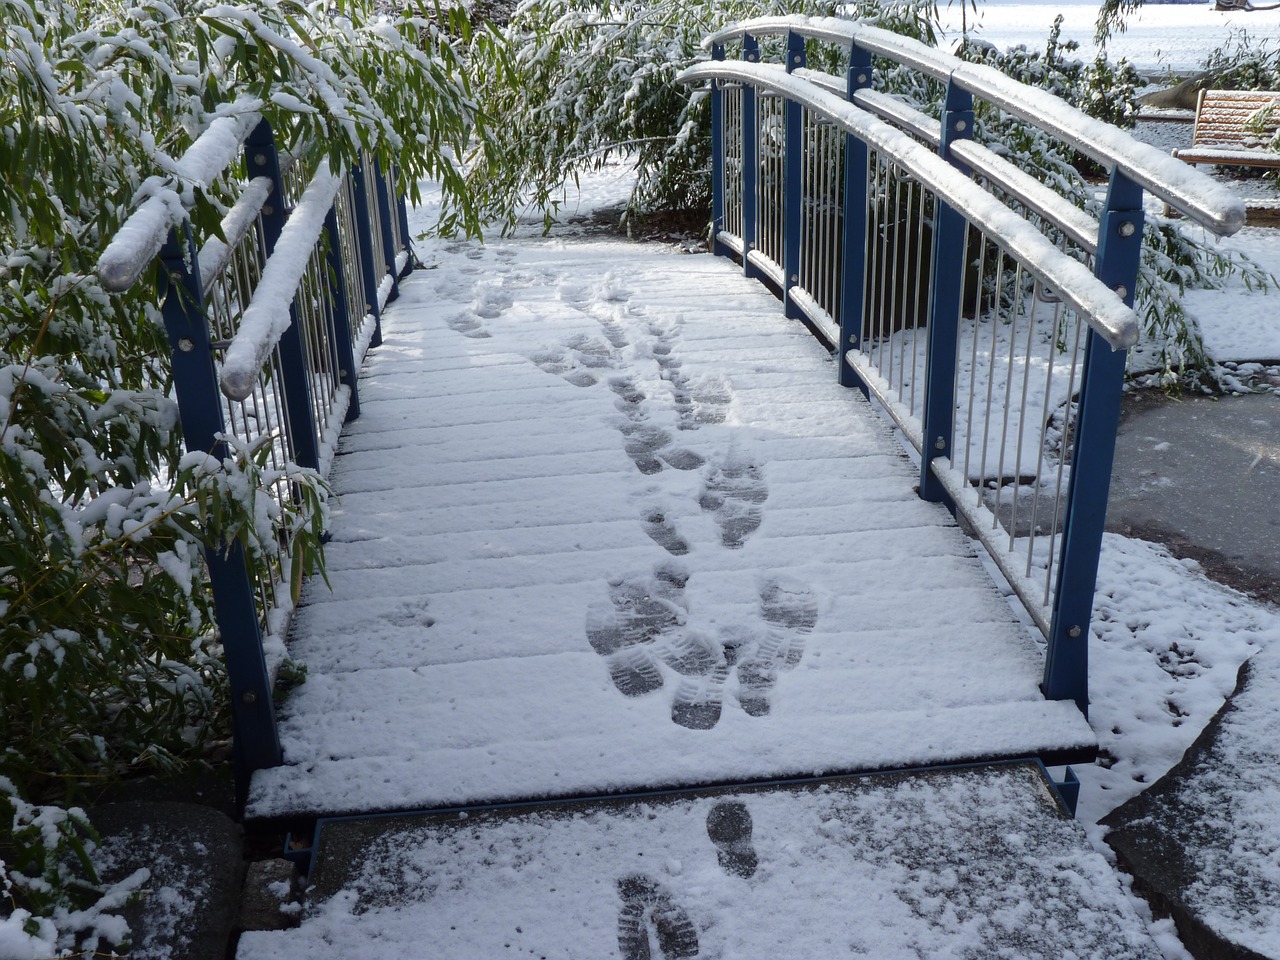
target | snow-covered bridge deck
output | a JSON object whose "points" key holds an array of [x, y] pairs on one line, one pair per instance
{"points": [[607, 523]]}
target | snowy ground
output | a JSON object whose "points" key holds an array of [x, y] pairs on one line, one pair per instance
{"points": [[1164, 36]]}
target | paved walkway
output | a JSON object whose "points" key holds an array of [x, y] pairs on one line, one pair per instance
{"points": [[607, 523]]}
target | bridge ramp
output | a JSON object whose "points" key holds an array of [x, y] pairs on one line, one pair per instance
{"points": [[607, 523]]}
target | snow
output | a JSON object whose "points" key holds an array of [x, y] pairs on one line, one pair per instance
{"points": [[462, 646], [1161, 36], [1071, 278], [267, 317], [562, 443], [1165, 648], [1181, 185], [894, 868], [144, 233]]}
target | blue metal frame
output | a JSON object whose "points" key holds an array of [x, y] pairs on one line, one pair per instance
{"points": [[256, 742], [262, 160], [853, 253], [949, 234], [750, 161], [1066, 673], [792, 193]]}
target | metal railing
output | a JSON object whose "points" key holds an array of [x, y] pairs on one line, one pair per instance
{"points": [[268, 325], [988, 315]]}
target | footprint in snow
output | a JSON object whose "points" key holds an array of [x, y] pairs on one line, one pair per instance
{"points": [[734, 491], [649, 447], [662, 531], [651, 924], [561, 363], [789, 611], [729, 828], [622, 629], [643, 626], [469, 325]]}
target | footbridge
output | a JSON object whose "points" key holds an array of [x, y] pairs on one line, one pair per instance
{"points": [[624, 553]]}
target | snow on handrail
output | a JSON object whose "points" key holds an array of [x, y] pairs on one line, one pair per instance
{"points": [[239, 220], [1076, 223], [1094, 300], [267, 316], [142, 235], [1195, 194]]}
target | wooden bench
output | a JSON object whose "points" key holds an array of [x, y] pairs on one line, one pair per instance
{"points": [[1234, 128]]}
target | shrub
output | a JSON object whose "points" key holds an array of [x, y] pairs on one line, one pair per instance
{"points": [[109, 663]]}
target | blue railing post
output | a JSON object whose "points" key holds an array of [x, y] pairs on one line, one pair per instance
{"points": [[750, 160], [256, 742], [949, 233], [717, 158], [262, 160], [344, 348], [364, 245], [388, 234], [853, 253], [792, 183], [1066, 672]]}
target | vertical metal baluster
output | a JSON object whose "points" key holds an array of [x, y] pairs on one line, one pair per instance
{"points": [[1022, 417], [1008, 384], [1068, 421], [991, 362], [1044, 426]]}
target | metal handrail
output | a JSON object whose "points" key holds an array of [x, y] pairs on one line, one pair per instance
{"points": [[141, 237], [1194, 194], [1103, 309], [1077, 224]]}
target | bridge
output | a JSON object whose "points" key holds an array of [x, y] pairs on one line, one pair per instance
{"points": [[623, 549]]}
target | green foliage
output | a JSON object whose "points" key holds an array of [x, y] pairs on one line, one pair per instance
{"points": [[110, 662], [577, 84]]}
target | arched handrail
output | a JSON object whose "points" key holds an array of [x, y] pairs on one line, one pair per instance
{"points": [[1105, 311], [1182, 187]]}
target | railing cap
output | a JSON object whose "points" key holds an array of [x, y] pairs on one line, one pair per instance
{"points": [[1183, 187]]}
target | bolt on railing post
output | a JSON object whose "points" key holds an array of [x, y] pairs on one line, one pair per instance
{"points": [[750, 160], [384, 220], [853, 255], [364, 244], [1066, 673], [717, 158], [256, 742], [262, 160], [949, 233], [792, 192], [344, 348]]}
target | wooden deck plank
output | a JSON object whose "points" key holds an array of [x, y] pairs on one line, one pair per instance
{"points": [[628, 539]]}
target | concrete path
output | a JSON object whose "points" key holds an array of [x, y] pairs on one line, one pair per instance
{"points": [[1202, 474]]}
